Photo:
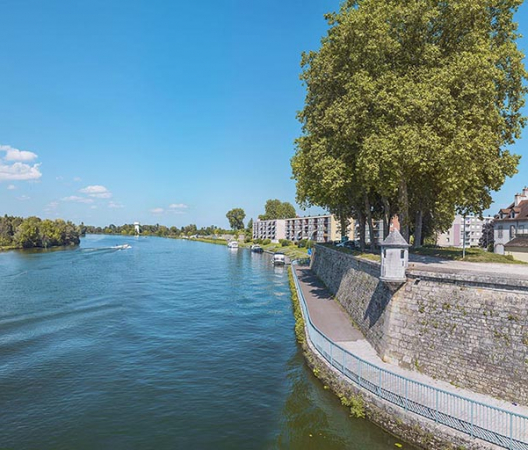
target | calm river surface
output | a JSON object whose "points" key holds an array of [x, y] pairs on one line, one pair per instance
{"points": [[166, 345]]}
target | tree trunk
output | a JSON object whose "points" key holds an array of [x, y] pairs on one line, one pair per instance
{"points": [[418, 229], [361, 220], [404, 210], [386, 216], [344, 225], [370, 224]]}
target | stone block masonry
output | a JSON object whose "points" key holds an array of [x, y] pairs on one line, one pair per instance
{"points": [[471, 331]]}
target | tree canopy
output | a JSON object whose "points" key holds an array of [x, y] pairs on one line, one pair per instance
{"points": [[33, 232], [275, 209], [410, 106], [236, 218]]}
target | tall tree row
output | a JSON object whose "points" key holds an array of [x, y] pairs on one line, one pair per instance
{"points": [[409, 108]]}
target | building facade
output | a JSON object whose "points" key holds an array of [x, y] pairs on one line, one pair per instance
{"points": [[273, 230], [469, 227], [325, 228], [378, 230], [511, 228]]}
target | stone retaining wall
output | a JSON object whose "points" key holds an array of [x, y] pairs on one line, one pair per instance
{"points": [[466, 330]]}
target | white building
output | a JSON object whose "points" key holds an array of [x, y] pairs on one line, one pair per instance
{"points": [[273, 230], [471, 227], [511, 228], [378, 232], [323, 228]]}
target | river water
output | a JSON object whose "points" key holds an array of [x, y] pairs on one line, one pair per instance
{"points": [[166, 345]]}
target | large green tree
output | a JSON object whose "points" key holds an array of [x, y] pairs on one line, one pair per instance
{"points": [[275, 209], [236, 218], [410, 106]]}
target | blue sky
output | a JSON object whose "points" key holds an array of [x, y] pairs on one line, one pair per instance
{"points": [[164, 112]]}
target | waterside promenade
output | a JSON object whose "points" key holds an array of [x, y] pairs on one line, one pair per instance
{"points": [[333, 335]]}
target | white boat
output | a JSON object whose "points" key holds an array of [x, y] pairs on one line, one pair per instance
{"points": [[232, 244], [256, 248], [279, 259], [122, 247]]}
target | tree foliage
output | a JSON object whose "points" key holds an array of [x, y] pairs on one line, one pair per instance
{"points": [[34, 232], [236, 218], [487, 239], [275, 209], [409, 108]]}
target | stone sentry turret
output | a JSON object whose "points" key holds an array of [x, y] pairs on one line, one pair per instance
{"points": [[394, 255]]}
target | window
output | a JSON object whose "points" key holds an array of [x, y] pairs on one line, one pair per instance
{"points": [[512, 231], [500, 232]]}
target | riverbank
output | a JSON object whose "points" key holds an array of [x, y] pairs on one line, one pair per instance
{"points": [[402, 401], [291, 251]]}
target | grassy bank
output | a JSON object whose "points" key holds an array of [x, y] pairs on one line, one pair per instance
{"points": [[472, 255], [364, 255], [210, 241], [291, 251]]}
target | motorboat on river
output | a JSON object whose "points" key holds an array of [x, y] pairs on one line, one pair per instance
{"points": [[232, 244], [122, 247], [279, 259], [255, 248]]}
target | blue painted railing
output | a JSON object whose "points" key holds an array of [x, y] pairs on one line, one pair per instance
{"points": [[479, 420]]}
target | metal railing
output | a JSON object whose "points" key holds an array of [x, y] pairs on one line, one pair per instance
{"points": [[479, 420]]}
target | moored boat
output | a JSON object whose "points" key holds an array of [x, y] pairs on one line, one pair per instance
{"points": [[256, 248], [279, 259], [232, 244]]}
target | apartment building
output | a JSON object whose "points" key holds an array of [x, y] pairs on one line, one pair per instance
{"points": [[511, 228], [274, 230], [378, 232], [470, 226], [323, 228]]}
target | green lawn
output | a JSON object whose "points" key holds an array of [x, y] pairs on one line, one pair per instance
{"points": [[211, 241], [472, 255], [364, 255]]}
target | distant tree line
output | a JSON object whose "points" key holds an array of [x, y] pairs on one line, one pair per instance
{"points": [[155, 230], [17, 232]]}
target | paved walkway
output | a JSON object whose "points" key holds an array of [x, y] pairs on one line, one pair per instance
{"points": [[329, 317]]}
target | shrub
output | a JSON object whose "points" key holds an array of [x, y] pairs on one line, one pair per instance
{"points": [[266, 241], [356, 405], [285, 242]]}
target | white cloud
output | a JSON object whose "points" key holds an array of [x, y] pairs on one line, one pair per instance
{"points": [[115, 205], [96, 191], [178, 206], [157, 210], [77, 199], [51, 206], [77, 179], [23, 198], [19, 172], [93, 207], [11, 187], [14, 154]]}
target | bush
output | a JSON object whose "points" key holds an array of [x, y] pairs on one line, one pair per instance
{"points": [[305, 243], [285, 242], [266, 241]]}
